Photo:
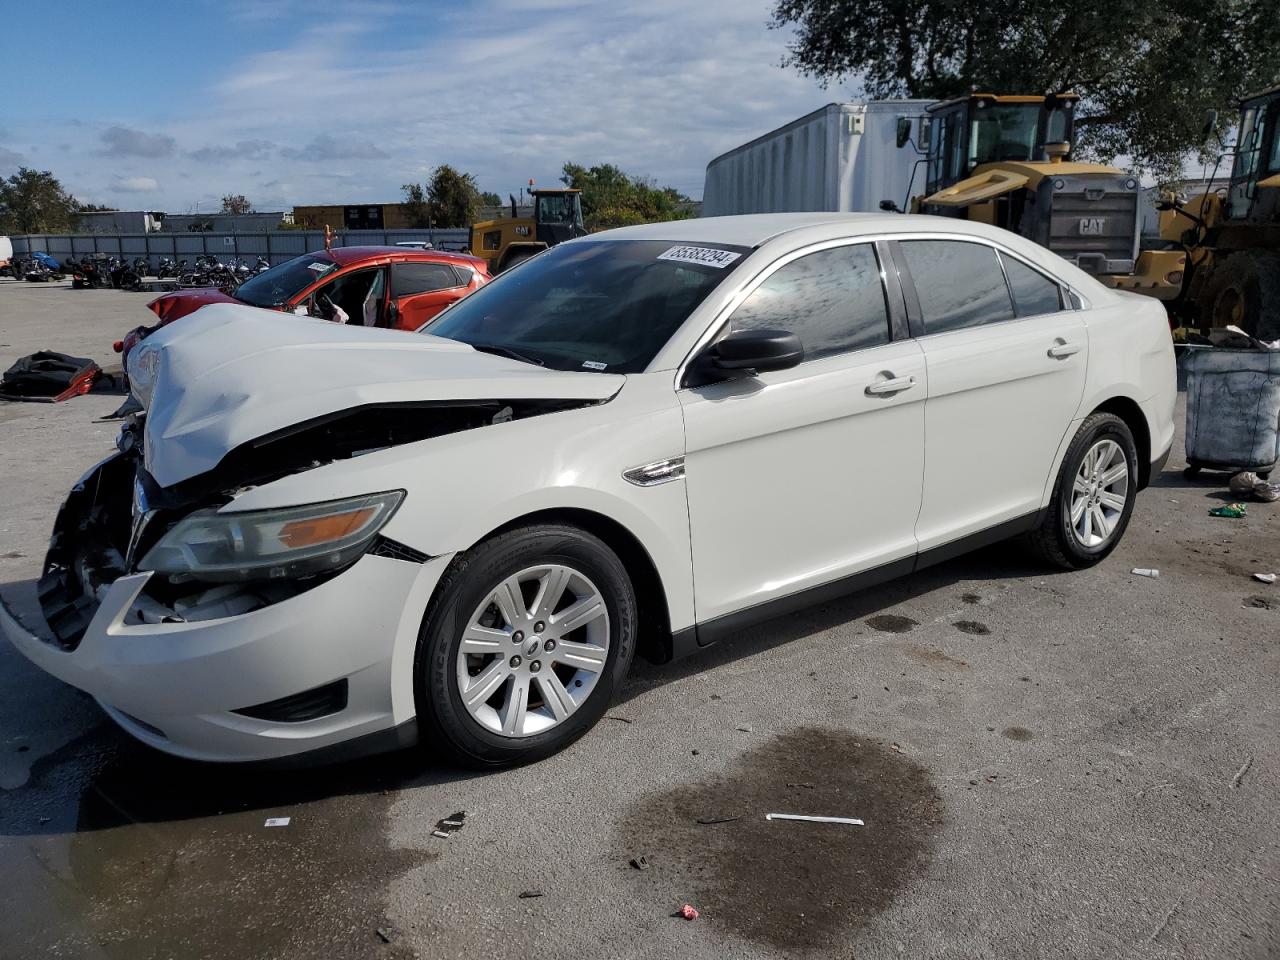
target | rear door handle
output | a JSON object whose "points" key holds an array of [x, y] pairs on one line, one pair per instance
{"points": [[887, 388], [1061, 349]]}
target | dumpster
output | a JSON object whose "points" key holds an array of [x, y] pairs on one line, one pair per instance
{"points": [[1233, 410]]}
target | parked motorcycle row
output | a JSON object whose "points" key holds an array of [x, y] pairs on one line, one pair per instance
{"points": [[100, 270]]}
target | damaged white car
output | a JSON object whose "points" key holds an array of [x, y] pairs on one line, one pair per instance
{"points": [[332, 539]]}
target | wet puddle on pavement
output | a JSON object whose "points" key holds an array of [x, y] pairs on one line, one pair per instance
{"points": [[112, 850], [784, 883]]}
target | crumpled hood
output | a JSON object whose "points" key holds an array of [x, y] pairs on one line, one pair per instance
{"points": [[224, 377]]}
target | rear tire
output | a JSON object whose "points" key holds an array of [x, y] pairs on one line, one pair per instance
{"points": [[1244, 290], [1089, 510], [580, 668]]}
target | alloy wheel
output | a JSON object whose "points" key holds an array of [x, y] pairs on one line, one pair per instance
{"points": [[1099, 493], [533, 650]]}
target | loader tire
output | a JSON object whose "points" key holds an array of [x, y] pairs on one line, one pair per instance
{"points": [[1244, 291]]}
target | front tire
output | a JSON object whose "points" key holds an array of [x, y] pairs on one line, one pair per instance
{"points": [[1093, 495], [528, 639]]}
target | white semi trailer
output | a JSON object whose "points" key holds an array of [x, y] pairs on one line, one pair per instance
{"points": [[841, 158]]}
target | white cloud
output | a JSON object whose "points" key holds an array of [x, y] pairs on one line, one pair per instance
{"points": [[135, 185], [504, 89], [126, 142]]}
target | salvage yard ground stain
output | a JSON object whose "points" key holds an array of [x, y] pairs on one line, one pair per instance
{"points": [[1261, 603], [788, 884], [158, 858], [891, 623], [1017, 733], [972, 627]]}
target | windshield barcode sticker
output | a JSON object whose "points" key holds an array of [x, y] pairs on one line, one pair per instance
{"points": [[594, 364], [706, 256]]}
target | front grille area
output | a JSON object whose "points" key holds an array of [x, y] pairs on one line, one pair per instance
{"points": [[300, 707], [1093, 221]]}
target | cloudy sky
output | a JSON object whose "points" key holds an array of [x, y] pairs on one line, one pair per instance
{"points": [[163, 105]]}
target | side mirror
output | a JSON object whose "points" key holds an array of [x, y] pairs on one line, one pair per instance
{"points": [[755, 350], [888, 206], [1210, 124], [904, 131]]}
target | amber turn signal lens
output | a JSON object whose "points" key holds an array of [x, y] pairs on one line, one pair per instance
{"points": [[306, 533]]}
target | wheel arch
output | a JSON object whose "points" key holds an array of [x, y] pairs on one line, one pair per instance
{"points": [[651, 594], [1128, 410]]}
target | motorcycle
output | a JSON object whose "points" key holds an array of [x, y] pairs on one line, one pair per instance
{"points": [[167, 268], [41, 268]]}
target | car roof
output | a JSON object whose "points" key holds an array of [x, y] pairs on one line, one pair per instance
{"points": [[752, 230], [345, 256]]}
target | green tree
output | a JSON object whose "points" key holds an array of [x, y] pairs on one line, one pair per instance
{"points": [[613, 198], [33, 201], [1146, 72], [236, 203], [453, 196], [416, 209], [490, 199], [449, 198]]}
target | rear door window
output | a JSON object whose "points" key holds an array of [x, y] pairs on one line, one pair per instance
{"points": [[1033, 292], [408, 279], [833, 300], [959, 284]]}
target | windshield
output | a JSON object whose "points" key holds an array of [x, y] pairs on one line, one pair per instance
{"points": [[602, 305], [1004, 131], [275, 287]]}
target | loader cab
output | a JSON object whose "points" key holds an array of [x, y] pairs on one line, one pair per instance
{"points": [[558, 215], [970, 132], [1257, 161]]}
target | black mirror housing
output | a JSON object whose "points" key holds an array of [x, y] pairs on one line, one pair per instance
{"points": [[758, 350], [904, 131]]}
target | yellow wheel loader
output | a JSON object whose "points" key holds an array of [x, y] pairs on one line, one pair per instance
{"points": [[557, 216], [1232, 236], [1003, 160]]}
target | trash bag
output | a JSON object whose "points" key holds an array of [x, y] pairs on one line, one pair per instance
{"points": [[48, 377]]}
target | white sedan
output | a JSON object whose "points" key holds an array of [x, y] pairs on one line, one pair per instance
{"points": [[325, 539]]}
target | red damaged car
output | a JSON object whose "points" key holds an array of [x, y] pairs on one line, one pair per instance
{"points": [[372, 286]]}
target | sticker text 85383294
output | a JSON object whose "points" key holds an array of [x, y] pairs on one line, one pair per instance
{"points": [[704, 256]]}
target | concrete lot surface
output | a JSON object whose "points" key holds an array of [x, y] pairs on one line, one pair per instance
{"points": [[1048, 765]]}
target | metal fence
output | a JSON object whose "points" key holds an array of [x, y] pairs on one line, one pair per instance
{"points": [[277, 245]]}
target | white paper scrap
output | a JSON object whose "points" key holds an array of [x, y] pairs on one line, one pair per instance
{"points": [[800, 816], [277, 821]]}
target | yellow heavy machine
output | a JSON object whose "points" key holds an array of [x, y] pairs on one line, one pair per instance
{"points": [[1004, 160], [557, 217], [1232, 236]]}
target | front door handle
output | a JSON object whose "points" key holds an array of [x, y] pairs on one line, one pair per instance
{"points": [[887, 388], [1061, 349]]}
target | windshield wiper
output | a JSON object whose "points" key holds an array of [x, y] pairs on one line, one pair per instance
{"points": [[506, 352]]}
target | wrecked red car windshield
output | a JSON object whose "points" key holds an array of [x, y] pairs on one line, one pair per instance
{"points": [[275, 287]]}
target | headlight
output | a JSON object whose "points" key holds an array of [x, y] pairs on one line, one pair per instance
{"points": [[1131, 184], [272, 544], [1059, 184]]}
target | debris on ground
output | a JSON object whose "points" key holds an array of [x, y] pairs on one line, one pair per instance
{"points": [[1232, 511], [1145, 572], [1248, 483], [1265, 577], [449, 825], [530, 894], [710, 820], [1240, 774], [745, 728], [619, 719], [277, 822], [688, 912], [640, 863], [385, 934], [809, 819], [1261, 603], [49, 377]]}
